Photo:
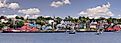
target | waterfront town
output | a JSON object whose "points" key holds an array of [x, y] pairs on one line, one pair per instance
{"points": [[16, 23]]}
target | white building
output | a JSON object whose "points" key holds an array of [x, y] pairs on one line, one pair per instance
{"points": [[3, 20]]}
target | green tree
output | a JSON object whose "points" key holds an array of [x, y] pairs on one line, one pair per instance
{"points": [[1, 26], [21, 18], [17, 17], [110, 19], [40, 18], [69, 18], [20, 23], [48, 18], [58, 20], [2, 17]]}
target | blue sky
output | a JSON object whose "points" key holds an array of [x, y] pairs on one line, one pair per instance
{"points": [[73, 9]]}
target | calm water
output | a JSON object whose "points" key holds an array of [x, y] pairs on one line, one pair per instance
{"points": [[83, 37]]}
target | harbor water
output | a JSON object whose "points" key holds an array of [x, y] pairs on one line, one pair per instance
{"points": [[80, 37]]}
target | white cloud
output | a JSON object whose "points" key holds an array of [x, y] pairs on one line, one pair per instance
{"points": [[66, 2], [56, 4], [2, 4], [60, 3], [103, 10], [13, 6], [109, 14], [30, 11]]}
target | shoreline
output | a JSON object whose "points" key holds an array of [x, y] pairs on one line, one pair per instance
{"points": [[50, 31]]}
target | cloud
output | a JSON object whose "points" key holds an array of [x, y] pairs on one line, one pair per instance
{"points": [[2, 4], [13, 6], [103, 10], [60, 3], [56, 4], [66, 2], [109, 14], [30, 11]]}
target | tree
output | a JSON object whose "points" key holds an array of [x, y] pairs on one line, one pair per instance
{"points": [[17, 17], [40, 22], [2, 17], [83, 19], [110, 19], [58, 20], [21, 18], [69, 18], [80, 17], [20, 23], [1, 26], [48, 18], [40, 18], [119, 20]]}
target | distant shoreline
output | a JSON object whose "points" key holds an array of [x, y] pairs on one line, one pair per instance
{"points": [[50, 32]]}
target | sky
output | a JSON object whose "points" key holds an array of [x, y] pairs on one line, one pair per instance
{"points": [[73, 9]]}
